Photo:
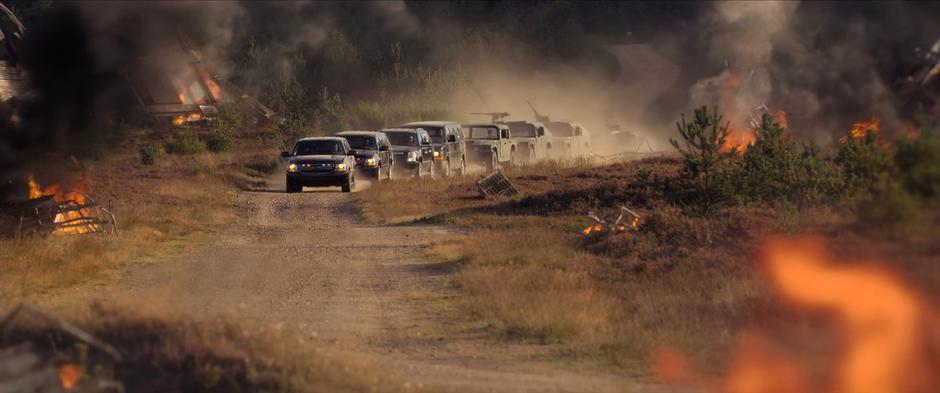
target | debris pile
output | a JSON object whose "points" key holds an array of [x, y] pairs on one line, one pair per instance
{"points": [[627, 220]]}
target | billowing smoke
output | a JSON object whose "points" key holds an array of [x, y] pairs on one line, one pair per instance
{"points": [[636, 65], [78, 60]]}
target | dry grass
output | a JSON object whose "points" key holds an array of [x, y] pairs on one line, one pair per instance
{"points": [[178, 201], [167, 354], [680, 282]]}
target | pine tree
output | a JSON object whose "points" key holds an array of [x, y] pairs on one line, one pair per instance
{"points": [[703, 184]]}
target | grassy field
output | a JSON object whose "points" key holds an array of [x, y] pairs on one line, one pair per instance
{"points": [[176, 201], [681, 281]]}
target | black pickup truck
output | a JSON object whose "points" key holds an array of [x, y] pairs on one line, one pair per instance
{"points": [[320, 162]]}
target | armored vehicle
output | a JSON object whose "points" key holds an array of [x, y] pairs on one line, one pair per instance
{"points": [[533, 140], [570, 137], [490, 145]]}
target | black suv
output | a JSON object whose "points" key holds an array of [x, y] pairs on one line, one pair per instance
{"points": [[412, 150], [371, 150], [320, 162], [448, 144]]}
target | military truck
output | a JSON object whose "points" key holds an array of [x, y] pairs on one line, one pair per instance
{"points": [[533, 140], [571, 138], [489, 145], [568, 138]]}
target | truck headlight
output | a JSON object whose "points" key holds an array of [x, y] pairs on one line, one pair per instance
{"points": [[412, 156], [370, 161], [341, 167], [292, 168], [437, 154]]}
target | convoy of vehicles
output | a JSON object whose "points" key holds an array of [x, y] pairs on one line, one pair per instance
{"points": [[412, 151], [372, 152], [429, 148], [447, 140]]}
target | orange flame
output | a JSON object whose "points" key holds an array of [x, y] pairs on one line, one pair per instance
{"points": [[74, 190], [739, 136], [782, 119], [69, 375], [861, 129], [214, 90], [883, 328]]}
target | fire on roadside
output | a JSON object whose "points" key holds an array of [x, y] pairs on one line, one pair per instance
{"points": [[886, 333], [73, 190]]}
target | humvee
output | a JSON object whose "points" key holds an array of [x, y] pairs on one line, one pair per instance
{"points": [[533, 140], [570, 137], [489, 145]]}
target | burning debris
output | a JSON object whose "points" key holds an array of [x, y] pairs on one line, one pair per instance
{"points": [[627, 220], [58, 209]]}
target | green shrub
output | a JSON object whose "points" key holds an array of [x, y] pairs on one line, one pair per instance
{"points": [[776, 169], [184, 143], [892, 210], [704, 183], [148, 154], [219, 139], [866, 164], [919, 164]]}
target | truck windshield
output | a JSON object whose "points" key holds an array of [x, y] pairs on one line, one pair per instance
{"points": [[317, 147], [561, 129], [402, 138], [524, 130], [361, 142], [436, 133], [482, 132]]}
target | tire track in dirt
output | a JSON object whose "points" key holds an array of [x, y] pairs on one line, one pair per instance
{"points": [[305, 262]]}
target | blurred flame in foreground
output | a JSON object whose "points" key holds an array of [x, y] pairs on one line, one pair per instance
{"points": [[69, 375], [887, 335]]}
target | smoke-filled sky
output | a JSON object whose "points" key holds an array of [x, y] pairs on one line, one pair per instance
{"points": [[637, 64]]}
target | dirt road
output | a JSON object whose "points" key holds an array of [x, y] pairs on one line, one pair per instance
{"points": [[305, 262]]}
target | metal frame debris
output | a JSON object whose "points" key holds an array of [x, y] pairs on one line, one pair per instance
{"points": [[38, 216], [627, 220], [496, 183]]}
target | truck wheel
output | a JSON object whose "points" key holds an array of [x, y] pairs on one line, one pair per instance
{"points": [[292, 188], [463, 166], [418, 171], [512, 159], [491, 165], [431, 169], [350, 183], [388, 176], [447, 168]]}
